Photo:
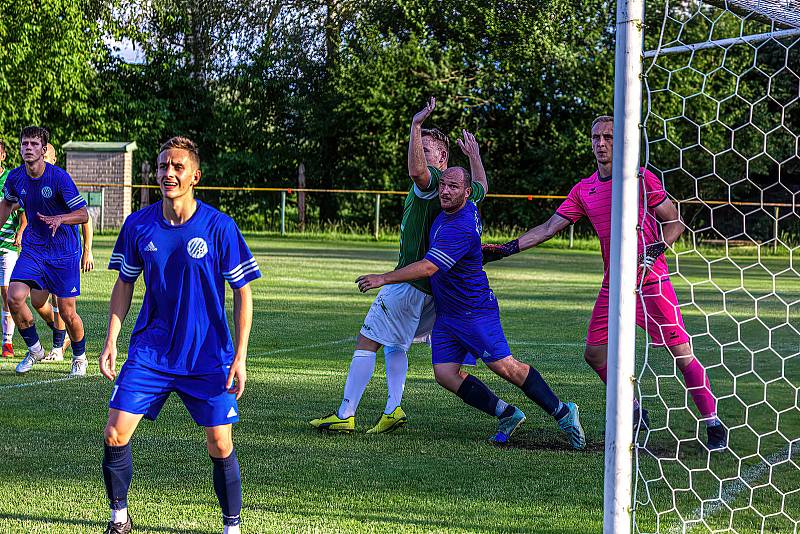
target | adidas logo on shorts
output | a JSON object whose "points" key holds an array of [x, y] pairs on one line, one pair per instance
{"points": [[150, 247], [232, 412]]}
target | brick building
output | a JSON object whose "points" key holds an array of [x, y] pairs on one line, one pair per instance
{"points": [[103, 172]]}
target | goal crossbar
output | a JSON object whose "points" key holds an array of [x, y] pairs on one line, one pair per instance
{"points": [[724, 43]]}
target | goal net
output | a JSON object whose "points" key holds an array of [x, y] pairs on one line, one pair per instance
{"points": [[721, 125]]}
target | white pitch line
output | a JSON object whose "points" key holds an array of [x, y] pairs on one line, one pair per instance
{"points": [[741, 485], [42, 382]]}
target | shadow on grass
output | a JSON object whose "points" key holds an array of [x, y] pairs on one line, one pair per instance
{"points": [[95, 526], [540, 439]]}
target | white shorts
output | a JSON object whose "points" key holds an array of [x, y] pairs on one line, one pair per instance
{"points": [[7, 262], [400, 315]]}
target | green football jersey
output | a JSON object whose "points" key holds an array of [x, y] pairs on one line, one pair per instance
{"points": [[8, 232], [420, 209]]}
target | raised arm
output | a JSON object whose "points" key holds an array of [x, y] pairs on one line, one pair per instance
{"points": [[420, 269], [242, 323], [531, 238], [417, 164], [121, 296], [469, 146]]}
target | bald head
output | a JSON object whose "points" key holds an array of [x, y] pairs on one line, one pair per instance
{"points": [[459, 173], [50, 154]]}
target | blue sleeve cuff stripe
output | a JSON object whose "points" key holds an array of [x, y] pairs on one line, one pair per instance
{"points": [[11, 198], [442, 256]]}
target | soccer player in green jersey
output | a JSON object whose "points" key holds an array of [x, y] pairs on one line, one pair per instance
{"points": [[10, 235], [403, 313]]}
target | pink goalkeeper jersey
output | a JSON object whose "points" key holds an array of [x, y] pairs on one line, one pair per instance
{"points": [[591, 198]]}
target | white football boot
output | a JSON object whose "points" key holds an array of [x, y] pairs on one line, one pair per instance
{"points": [[27, 362], [79, 366]]}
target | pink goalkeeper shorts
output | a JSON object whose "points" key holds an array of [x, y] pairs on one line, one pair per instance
{"points": [[663, 321]]}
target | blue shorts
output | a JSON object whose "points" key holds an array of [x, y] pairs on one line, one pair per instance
{"points": [[61, 277], [459, 340], [142, 390]]}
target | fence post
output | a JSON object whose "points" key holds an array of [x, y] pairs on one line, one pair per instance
{"points": [[377, 216], [283, 212], [775, 243], [571, 234], [301, 197], [144, 192], [102, 209]]}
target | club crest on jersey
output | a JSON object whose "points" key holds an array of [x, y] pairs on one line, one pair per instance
{"points": [[197, 248], [47, 192]]}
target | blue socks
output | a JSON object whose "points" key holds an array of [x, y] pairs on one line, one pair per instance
{"points": [[539, 392], [475, 393], [79, 348], [58, 338], [30, 336], [228, 487], [117, 474]]}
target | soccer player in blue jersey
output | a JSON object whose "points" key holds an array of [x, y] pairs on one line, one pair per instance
{"points": [[48, 309], [468, 317], [181, 343], [51, 253]]}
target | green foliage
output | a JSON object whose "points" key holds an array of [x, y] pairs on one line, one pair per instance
{"points": [[51, 58]]}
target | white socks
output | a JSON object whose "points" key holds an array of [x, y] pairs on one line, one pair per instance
{"points": [[396, 371], [361, 369], [119, 516], [231, 530], [8, 327]]}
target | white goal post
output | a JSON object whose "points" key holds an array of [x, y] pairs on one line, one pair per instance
{"points": [[707, 97]]}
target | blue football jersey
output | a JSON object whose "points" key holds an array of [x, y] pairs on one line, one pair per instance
{"points": [[53, 193], [460, 287], [182, 327]]}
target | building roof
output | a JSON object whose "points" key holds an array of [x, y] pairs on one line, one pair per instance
{"points": [[104, 146]]}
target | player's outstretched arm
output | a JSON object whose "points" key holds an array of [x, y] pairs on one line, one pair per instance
{"points": [[469, 146], [79, 216], [87, 260], [242, 323], [531, 238], [118, 307], [420, 269], [417, 164]]}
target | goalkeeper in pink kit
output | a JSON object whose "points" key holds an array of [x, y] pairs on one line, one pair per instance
{"points": [[657, 309]]}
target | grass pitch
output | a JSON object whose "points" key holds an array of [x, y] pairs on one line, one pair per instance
{"points": [[439, 473]]}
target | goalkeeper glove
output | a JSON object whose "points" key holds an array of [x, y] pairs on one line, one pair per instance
{"points": [[498, 252], [651, 253]]}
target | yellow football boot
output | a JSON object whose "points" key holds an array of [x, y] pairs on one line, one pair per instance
{"points": [[333, 423], [388, 423]]}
